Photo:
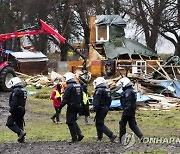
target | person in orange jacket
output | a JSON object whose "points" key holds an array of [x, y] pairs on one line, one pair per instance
{"points": [[56, 97]]}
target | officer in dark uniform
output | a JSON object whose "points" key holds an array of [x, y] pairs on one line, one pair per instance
{"points": [[128, 102], [73, 98], [17, 102], [101, 103]]}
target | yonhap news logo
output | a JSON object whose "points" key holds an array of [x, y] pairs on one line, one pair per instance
{"points": [[161, 140], [128, 140]]}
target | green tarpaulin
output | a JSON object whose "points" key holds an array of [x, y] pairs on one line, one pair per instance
{"points": [[126, 46], [118, 44]]}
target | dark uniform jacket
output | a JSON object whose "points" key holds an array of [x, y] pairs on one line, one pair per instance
{"points": [[73, 96], [102, 97], [128, 101], [17, 101]]}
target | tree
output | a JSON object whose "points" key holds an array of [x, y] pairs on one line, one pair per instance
{"points": [[170, 25], [155, 17], [8, 21], [62, 20], [147, 14], [41, 10]]}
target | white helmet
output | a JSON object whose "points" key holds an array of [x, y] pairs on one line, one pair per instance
{"points": [[124, 82], [68, 76], [98, 81], [14, 81]]}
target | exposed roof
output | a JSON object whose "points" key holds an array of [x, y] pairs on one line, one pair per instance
{"points": [[127, 46], [28, 56], [110, 20]]}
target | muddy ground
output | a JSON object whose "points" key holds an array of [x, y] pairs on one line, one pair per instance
{"points": [[75, 148]]}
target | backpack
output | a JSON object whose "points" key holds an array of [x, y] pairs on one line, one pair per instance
{"points": [[78, 103]]}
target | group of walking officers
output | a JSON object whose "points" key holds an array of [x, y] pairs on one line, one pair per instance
{"points": [[73, 98]]}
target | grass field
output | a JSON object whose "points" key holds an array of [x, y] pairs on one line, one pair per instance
{"points": [[39, 127]]}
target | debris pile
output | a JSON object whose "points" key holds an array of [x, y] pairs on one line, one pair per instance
{"points": [[157, 91], [151, 94], [39, 80]]}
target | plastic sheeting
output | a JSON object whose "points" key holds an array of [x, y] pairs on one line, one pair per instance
{"points": [[172, 86], [127, 46], [141, 98]]}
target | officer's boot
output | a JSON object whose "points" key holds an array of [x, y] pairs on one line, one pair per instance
{"points": [[79, 133], [22, 140], [108, 132], [21, 136], [137, 131], [113, 137], [72, 130], [99, 135]]}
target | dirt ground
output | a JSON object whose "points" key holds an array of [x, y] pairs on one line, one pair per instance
{"points": [[75, 148]]}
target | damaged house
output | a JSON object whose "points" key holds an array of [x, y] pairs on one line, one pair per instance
{"points": [[111, 53], [119, 54]]}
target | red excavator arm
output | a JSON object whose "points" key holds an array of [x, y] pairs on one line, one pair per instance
{"points": [[44, 29]]}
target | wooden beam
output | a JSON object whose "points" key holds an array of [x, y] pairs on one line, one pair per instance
{"points": [[163, 70], [175, 78], [24, 74], [153, 68]]}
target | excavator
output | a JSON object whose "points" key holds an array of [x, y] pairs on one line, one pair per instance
{"points": [[6, 70]]}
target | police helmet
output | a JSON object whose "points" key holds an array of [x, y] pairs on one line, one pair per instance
{"points": [[68, 76], [124, 82], [14, 81], [98, 81]]}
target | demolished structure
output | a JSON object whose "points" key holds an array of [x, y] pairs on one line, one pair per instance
{"points": [[120, 56], [111, 53]]}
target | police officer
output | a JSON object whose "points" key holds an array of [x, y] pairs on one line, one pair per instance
{"points": [[73, 98], [128, 102], [17, 102], [101, 103]]}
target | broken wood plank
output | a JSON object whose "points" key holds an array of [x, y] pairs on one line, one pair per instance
{"points": [[175, 78], [23, 74], [153, 68], [167, 76]]}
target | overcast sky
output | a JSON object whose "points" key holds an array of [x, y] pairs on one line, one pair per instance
{"points": [[163, 45]]}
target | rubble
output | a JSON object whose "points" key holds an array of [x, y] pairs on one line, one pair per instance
{"points": [[155, 92], [159, 90], [39, 80]]}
